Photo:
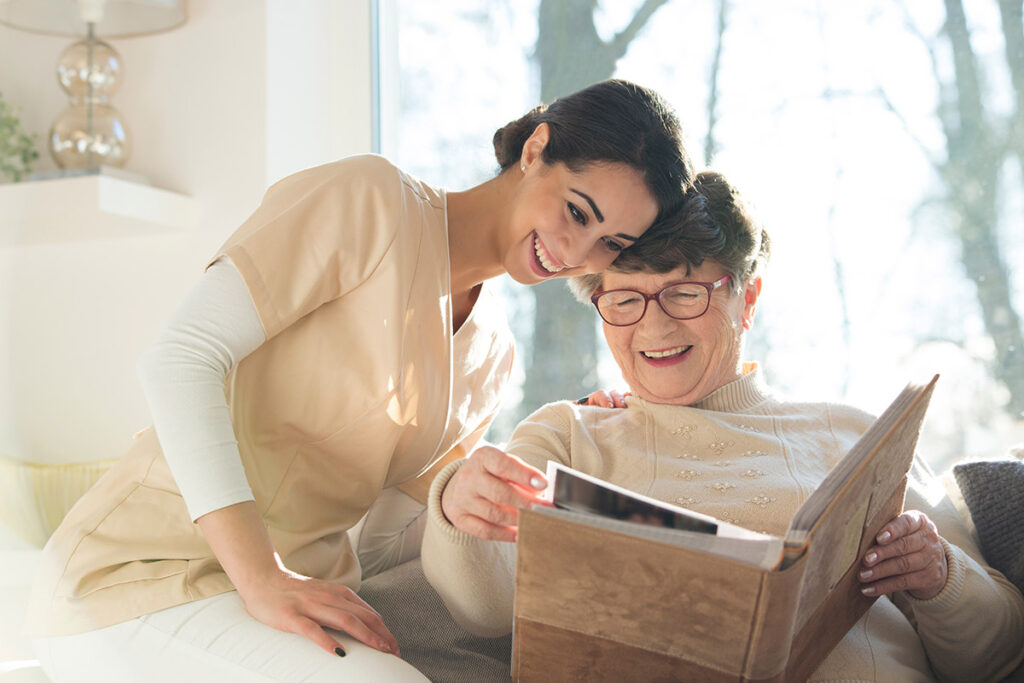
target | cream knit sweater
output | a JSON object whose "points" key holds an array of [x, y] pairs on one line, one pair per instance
{"points": [[746, 457]]}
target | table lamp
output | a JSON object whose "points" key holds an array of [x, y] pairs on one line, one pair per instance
{"points": [[91, 133]]}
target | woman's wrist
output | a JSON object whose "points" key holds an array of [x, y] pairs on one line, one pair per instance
{"points": [[258, 574], [951, 592], [240, 542], [446, 501], [439, 487]]}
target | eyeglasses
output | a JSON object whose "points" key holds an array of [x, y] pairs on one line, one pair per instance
{"points": [[679, 300]]}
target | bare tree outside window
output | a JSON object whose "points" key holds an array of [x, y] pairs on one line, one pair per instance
{"points": [[883, 143]]}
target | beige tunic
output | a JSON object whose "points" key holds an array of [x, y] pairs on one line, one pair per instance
{"points": [[361, 385]]}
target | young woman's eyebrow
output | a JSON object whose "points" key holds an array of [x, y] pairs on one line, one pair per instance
{"points": [[593, 206]]}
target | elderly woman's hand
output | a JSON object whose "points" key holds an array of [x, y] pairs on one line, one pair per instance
{"points": [[483, 497], [907, 557]]}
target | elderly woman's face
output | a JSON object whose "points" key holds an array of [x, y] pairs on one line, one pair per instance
{"points": [[665, 360]]}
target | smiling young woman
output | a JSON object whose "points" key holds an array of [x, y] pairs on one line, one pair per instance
{"points": [[340, 345]]}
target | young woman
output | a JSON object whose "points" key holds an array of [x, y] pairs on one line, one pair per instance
{"points": [[340, 343]]}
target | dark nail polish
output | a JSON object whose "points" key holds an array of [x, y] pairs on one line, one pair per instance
{"points": [[338, 651]]}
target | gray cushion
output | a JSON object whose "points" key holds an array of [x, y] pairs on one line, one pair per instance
{"points": [[429, 638], [994, 493]]}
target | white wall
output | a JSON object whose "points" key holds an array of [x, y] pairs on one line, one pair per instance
{"points": [[244, 93], [318, 83]]}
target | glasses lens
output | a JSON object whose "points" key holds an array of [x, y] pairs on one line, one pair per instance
{"points": [[684, 301], [621, 307]]}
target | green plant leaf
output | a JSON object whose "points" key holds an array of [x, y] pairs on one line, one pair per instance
{"points": [[17, 147]]}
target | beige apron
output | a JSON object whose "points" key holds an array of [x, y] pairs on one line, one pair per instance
{"points": [[360, 386]]}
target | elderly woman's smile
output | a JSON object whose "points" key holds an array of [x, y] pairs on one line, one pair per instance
{"points": [[667, 360], [662, 357]]}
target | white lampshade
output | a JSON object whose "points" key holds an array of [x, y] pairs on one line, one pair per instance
{"points": [[112, 18]]}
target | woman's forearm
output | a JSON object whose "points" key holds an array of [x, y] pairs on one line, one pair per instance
{"points": [[240, 541], [974, 628], [474, 578]]}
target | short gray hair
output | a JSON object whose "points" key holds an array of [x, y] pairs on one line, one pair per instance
{"points": [[715, 223]]}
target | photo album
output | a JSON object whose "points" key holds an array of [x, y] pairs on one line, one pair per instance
{"points": [[612, 585]]}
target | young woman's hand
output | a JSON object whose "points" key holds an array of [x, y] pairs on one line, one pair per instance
{"points": [[907, 556], [298, 604], [484, 496], [605, 399], [281, 598]]}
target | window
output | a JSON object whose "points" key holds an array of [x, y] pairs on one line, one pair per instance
{"points": [[890, 182]]}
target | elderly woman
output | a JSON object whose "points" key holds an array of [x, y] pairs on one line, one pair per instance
{"points": [[703, 430]]}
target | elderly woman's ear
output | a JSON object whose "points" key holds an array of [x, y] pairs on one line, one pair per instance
{"points": [[752, 292]]}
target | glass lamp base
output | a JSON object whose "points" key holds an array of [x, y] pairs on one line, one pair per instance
{"points": [[89, 135]]}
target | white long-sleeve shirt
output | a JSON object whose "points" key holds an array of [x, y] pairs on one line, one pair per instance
{"points": [[182, 375]]}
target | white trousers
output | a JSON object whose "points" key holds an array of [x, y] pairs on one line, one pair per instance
{"points": [[210, 640]]}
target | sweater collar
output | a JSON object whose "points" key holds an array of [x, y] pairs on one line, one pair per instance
{"points": [[746, 392], [741, 394]]}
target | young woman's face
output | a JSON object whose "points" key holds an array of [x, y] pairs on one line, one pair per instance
{"points": [[565, 223]]}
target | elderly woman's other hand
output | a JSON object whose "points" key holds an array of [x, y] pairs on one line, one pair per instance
{"points": [[907, 557], [483, 497]]}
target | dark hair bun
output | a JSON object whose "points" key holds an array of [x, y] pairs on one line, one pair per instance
{"points": [[509, 139]]}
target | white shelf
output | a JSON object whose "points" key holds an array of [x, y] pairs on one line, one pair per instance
{"points": [[90, 207]]}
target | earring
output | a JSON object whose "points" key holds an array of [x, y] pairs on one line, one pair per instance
{"points": [[522, 167]]}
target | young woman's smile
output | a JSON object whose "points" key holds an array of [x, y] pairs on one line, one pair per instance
{"points": [[544, 264]]}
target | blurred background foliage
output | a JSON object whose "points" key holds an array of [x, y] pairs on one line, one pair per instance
{"points": [[17, 148]]}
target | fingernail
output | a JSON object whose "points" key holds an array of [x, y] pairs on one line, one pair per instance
{"points": [[868, 590], [537, 482], [871, 557], [338, 651], [884, 536], [866, 574]]}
